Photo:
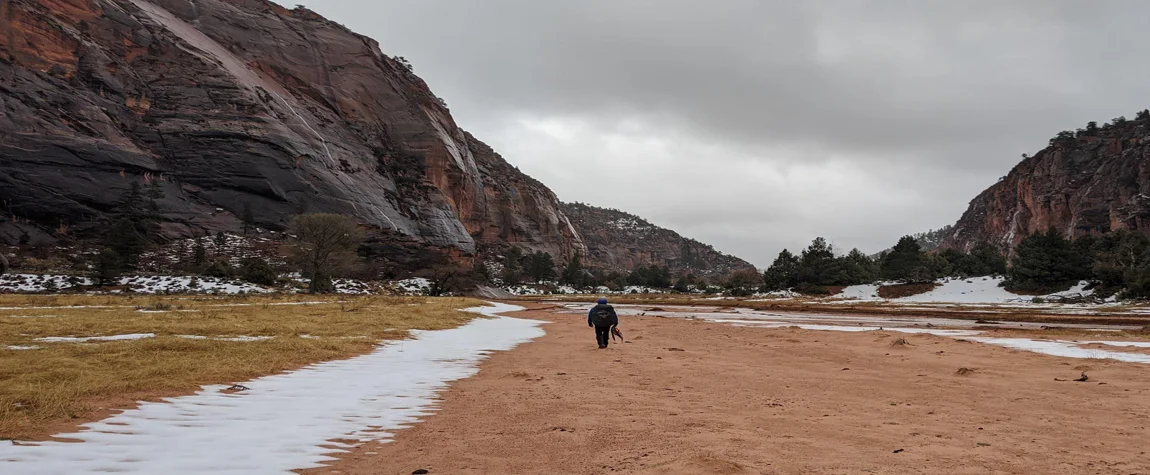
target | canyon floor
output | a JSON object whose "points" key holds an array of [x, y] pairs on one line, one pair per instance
{"points": [[689, 396]]}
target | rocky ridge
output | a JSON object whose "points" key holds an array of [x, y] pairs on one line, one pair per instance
{"points": [[1091, 181], [620, 241]]}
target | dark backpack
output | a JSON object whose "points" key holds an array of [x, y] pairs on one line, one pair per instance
{"points": [[601, 316]]}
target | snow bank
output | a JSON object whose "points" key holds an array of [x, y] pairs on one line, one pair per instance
{"points": [[860, 292], [975, 290], [284, 422]]}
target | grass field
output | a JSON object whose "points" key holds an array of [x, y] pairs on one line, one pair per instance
{"points": [[197, 341]]}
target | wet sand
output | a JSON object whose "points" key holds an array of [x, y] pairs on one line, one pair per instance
{"points": [[687, 397]]}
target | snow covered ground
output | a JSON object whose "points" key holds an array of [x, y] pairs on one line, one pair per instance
{"points": [[975, 290], [284, 422], [413, 286], [156, 284]]}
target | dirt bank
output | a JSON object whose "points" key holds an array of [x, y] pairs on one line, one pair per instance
{"points": [[693, 397]]}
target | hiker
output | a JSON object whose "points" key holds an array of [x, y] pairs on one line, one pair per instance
{"points": [[603, 318]]}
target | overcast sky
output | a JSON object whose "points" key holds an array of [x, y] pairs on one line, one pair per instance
{"points": [[758, 125]]}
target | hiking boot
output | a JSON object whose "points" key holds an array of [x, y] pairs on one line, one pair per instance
{"points": [[602, 347]]}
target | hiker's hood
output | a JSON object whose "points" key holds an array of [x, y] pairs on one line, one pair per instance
{"points": [[602, 301]]}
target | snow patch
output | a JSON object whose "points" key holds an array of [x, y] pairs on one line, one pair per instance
{"points": [[1066, 349], [241, 338], [284, 422], [413, 286], [107, 338]]}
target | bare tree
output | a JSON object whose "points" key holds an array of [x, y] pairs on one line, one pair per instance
{"points": [[447, 279], [323, 245]]}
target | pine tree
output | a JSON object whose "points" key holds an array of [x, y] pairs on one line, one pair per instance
{"points": [[126, 241], [131, 206], [221, 242], [783, 273], [1044, 262], [249, 218], [860, 268], [107, 268], [989, 261], [639, 276], [573, 272], [199, 252], [258, 271], [906, 262], [512, 266], [816, 264], [150, 224], [541, 267]]}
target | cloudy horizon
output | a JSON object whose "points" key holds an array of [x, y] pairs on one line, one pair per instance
{"points": [[755, 126]]}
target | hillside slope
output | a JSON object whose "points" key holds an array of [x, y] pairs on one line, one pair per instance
{"points": [[230, 104], [620, 241], [1095, 180]]}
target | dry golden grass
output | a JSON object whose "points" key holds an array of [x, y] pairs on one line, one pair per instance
{"points": [[60, 381]]}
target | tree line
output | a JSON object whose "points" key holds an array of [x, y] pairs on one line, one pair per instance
{"points": [[819, 266], [1114, 262]]}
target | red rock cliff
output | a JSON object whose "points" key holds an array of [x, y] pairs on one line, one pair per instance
{"points": [[1093, 181], [234, 103]]}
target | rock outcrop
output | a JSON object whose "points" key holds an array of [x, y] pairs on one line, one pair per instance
{"points": [[1094, 181], [620, 241], [228, 104]]}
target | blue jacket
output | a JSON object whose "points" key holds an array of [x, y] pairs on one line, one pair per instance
{"points": [[614, 316]]}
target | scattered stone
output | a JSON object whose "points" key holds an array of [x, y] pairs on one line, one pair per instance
{"points": [[964, 371], [1083, 379], [899, 451], [420, 472], [901, 342], [675, 349]]}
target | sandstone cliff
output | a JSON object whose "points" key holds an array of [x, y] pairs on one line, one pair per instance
{"points": [[234, 103], [620, 241], [1095, 180]]}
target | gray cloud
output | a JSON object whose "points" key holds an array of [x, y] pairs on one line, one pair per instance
{"points": [[757, 125]]}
